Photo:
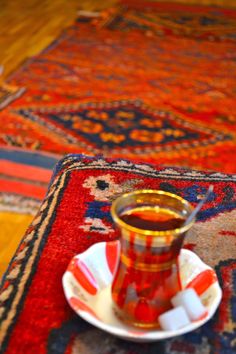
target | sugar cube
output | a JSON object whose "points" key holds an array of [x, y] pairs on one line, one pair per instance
{"points": [[191, 302], [174, 319]]}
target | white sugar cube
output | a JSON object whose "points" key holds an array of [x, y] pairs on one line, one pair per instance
{"points": [[189, 299], [174, 319]]}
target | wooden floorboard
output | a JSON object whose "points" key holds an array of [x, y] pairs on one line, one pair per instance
{"points": [[29, 26]]}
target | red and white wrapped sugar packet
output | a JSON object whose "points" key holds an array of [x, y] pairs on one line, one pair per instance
{"points": [[191, 302]]}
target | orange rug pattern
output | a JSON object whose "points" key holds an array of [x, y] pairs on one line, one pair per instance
{"points": [[144, 82]]}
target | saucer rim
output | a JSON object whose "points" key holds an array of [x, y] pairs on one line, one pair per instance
{"points": [[136, 334]]}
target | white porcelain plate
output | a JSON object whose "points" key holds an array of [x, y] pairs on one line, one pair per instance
{"points": [[87, 287]]}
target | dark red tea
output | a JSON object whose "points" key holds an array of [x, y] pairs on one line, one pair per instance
{"points": [[147, 276], [152, 218], [151, 236]]}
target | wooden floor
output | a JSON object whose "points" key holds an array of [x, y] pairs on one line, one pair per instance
{"points": [[29, 26]]}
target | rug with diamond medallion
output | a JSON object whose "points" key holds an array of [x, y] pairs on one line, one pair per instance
{"points": [[144, 81]]}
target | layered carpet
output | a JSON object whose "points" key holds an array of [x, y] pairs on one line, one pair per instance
{"points": [[24, 178], [152, 82], [148, 82], [34, 314]]}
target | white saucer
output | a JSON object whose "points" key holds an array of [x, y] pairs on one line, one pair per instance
{"points": [[87, 281]]}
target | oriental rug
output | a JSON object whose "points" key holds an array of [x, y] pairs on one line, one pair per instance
{"points": [[8, 94], [146, 81], [34, 314], [24, 178], [143, 82]]}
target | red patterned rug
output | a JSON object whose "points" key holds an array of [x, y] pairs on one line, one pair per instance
{"points": [[152, 82], [34, 314]]}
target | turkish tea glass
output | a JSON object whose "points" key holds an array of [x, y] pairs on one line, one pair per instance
{"points": [[151, 229]]}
